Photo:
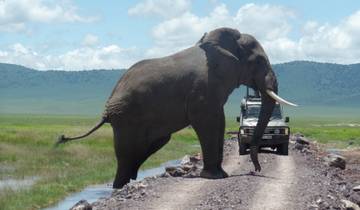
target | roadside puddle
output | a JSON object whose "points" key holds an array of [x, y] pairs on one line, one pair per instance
{"points": [[94, 192]]}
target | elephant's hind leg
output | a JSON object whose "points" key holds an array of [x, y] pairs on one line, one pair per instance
{"points": [[153, 147], [128, 148]]}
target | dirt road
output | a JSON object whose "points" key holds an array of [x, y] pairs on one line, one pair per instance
{"points": [[297, 181]]}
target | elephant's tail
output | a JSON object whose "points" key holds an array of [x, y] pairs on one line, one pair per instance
{"points": [[62, 139]]}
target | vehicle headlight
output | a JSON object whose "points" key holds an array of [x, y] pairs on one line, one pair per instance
{"points": [[286, 131], [242, 131]]}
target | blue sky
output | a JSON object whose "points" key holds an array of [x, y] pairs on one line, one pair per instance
{"points": [[76, 35]]}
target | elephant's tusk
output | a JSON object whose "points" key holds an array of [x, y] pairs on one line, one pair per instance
{"points": [[278, 98]]}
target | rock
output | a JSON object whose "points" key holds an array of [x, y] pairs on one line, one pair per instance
{"points": [[330, 197], [299, 146], [356, 188], [188, 167], [81, 205], [196, 158], [319, 201], [335, 160], [313, 207], [355, 197], [175, 171], [298, 135], [306, 151], [302, 140], [190, 160], [165, 175], [185, 160], [350, 205]]}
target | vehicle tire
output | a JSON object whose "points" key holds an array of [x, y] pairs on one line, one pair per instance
{"points": [[283, 149], [242, 149]]}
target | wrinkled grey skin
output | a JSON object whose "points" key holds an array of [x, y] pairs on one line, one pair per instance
{"points": [[158, 97]]}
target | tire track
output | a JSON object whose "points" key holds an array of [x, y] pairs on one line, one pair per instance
{"points": [[276, 193]]}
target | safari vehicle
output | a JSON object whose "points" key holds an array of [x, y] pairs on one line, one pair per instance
{"points": [[276, 135]]}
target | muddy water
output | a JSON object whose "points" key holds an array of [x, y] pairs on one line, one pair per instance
{"points": [[94, 192]]}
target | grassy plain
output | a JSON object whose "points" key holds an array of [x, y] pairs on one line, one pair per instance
{"points": [[27, 152]]}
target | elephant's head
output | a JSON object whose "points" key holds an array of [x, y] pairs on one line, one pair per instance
{"points": [[263, 79], [253, 69]]}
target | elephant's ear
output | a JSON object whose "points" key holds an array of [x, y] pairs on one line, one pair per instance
{"points": [[221, 62], [211, 48]]}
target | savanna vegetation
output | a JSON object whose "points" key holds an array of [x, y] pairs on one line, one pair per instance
{"points": [[331, 131], [27, 153]]}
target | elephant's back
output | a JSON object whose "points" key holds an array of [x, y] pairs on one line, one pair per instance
{"points": [[157, 87]]}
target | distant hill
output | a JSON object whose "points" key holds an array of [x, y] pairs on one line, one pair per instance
{"points": [[24, 90]]}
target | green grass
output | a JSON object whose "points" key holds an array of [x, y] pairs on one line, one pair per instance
{"points": [[26, 150], [332, 131]]}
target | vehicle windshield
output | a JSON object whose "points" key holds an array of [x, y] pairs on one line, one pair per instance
{"points": [[254, 111]]}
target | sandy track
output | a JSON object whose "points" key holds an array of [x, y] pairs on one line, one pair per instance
{"points": [[276, 194], [187, 192], [296, 181]]}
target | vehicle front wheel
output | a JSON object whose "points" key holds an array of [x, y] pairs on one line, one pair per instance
{"points": [[283, 149]]}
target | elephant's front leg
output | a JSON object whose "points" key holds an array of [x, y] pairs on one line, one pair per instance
{"points": [[209, 124]]}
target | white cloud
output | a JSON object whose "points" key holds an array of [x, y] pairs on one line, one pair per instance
{"points": [[266, 22], [338, 43], [272, 26], [162, 8], [15, 14], [90, 40], [95, 57], [182, 31]]}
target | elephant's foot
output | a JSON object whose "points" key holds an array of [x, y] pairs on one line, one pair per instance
{"points": [[122, 177], [134, 176], [119, 183], [224, 173], [213, 174]]}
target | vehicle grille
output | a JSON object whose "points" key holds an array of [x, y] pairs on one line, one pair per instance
{"points": [[271, 131]]}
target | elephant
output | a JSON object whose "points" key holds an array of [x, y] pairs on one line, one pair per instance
{"points": [[157, 97]]}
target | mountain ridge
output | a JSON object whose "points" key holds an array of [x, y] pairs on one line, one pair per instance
{"points": [[27, 90]]}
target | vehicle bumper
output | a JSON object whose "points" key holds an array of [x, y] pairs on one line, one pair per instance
{"points": [[267, 140]]}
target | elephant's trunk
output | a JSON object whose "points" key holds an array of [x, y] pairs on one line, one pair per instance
{"points": [[267, 106]]}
